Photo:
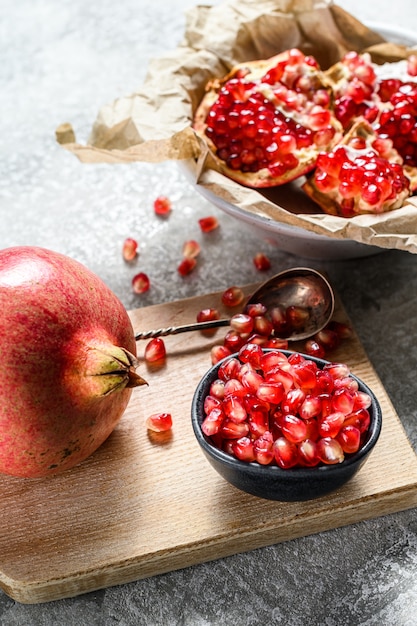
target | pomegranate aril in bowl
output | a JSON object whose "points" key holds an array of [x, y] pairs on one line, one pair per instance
{"points": [[286, 438]]}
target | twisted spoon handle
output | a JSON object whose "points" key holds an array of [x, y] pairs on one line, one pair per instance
{"points": [[175, 330]]}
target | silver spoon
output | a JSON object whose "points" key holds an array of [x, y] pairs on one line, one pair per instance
{"points": [[300, 286]]}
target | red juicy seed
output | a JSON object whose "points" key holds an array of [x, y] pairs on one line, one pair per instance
{"points": [[361, 419], [255, 309], [212, 423], [326, 404], [349, 438], [258, 421], [155, 350], [293, 400], [324, 382], [328, 338], [207, 315], [362, 400], [130, 249], [314, 348], [262, 325], [260, 340], [232, 297], [286, 453], [337, 370], [293, 428], [272, 359], [229, 369], [218, 353], [251, 353], [278, 374], [271, 392], [191, 249], [217, 389], [304, 376], [243, 449], [261, 262], [296, 358], [279, 321], [159, 422], [343, 330], [141, 283], [211, 402], [234, 409], [312, 429], [207, 224], [330, 425], [343, 401], [307, 451], [297, 316], [263, 449], [242, 323], [251, 380], [276, 343], [162, 205], [311, 407], [235, 388], [233, 341], [234, 430], [329, 451], [412, 65], [348, 383], [186, 266]]}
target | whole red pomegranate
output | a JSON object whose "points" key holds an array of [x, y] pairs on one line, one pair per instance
{"points": [[67, 353]]}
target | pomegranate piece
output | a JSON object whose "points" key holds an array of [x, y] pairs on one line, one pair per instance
{"points": [[355, 178], [209, 223], [266, 121], [159, 422], [141, 283], [258, 410], [155, 350], [130, 249], [162, 205]]}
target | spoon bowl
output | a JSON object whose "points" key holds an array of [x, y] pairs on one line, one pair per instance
{"points": [[301, 287]]}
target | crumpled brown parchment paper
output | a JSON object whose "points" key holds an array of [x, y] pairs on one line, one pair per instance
{"points": [[154, 124]]}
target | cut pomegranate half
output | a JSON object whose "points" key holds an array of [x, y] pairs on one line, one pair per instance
{"points": [[363, 174], [267, 120]]}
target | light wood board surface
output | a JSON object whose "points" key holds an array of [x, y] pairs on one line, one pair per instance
{"points": [[142, 505]]}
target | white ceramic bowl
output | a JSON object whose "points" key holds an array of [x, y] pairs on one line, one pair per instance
{"points": [[289, 238]]}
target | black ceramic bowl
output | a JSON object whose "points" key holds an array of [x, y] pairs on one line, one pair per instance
{"points": [[270, 481]]}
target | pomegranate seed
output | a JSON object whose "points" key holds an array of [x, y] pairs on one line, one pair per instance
{"points": [[242, 323], [210, 402], [261, 262], [263, 449], [208, 315], [232, 297], [297, 317], [233, 341], [229, 369], [207, 224], [262, 326], [330, 425], [327, 338], [314, 348], [130, 249], [155, 350], [294, 428], [162, 205], [159, 422], [349, 438], [311, 407], [255, 309], [217, 389], [218, 353], [251, 379], [343, 401], [243, 449], [191, 249], [285, 453], [251, 353], [307, 451], [234, 430], [294, 399], [271, 392], [186, 266], [141, 283], [412, 65], [234, 387], [329, 451], [234, 409], [212, 423]]}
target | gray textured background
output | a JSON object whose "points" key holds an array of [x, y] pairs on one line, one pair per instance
{"points": [[61, 61]]}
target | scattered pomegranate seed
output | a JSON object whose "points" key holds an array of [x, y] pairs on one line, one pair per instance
{"points": [[218, 353], [233, 296], [271, 408], [261, 262], [207, 224], [141, 283], [162, 205], [130, 249], [186, 266], [208, 315], [159, 422], [242, 323], [155, 350], [191, 249]]}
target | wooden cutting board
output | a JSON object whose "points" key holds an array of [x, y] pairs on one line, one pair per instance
{"points": [[144, 505]]}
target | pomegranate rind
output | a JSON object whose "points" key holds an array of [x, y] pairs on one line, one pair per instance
{"points": [[332, 202], [252, 76]]}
